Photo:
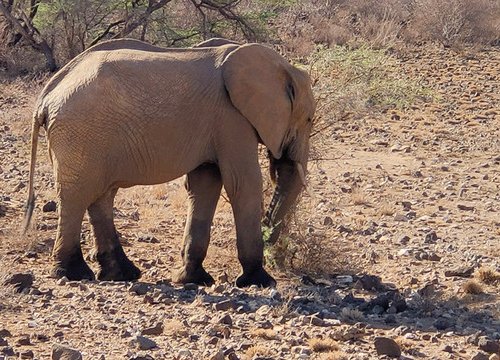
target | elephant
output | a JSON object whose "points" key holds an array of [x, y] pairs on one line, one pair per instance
{"points": [[125, 113]]}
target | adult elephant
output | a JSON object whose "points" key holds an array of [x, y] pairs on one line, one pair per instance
{"points": [[127, 113]]}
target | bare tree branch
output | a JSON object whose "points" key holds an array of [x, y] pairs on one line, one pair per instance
{"points": [[30, 34]]}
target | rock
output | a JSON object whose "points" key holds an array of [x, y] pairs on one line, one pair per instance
{"points": [[480, 356], [49, 206], [148, 239], [63, 352], [387, 346], [19, 281], [139, 288], [5, 333], [464, 272], [145, 343], [431, 237], [185, 353], [327, 221], [3, 342], [23, 340], [217, 356], [190, 287], [442, 323], [8, 351], [226, 319], [27, 354], [225, 305], [448, 349], [490, 346], [465, 207], [157, 329], [371, 282]]}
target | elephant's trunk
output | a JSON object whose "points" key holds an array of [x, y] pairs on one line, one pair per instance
{"points": [[289, 175]]}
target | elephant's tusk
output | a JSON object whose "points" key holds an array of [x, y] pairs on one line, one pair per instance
{"points": [[302, 175]]}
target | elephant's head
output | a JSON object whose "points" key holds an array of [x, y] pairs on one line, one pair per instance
{"points": [[277, 100]]}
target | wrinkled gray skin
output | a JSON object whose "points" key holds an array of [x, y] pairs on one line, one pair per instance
{"points": [[125, 113]]}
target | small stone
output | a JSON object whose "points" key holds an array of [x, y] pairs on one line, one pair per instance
{"points": [[27, 354], [23, 340], [19, 281], [464, 272], [488, 345], [62, 281], [226, 319], [185, 353], [431, 237], [148, 239], [480, 356], [5, 333], [3, 342], [145, 343], [157, 329], [225, 305], [448, 349], [49, 206], [190, 287], [63, 352], [327, 221], [442, 323], [387, 346], [404, 240], [316, 321], [139, 288], [465, 207], [217, 356]]}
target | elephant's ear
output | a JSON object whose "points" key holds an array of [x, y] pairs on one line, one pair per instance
{"points": [[261, 88]]}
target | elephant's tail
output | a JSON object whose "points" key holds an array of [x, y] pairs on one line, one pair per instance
{"points": [[38, 120]]}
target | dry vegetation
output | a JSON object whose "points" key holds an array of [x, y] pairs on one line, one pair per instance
{"points": [[404, 175]]}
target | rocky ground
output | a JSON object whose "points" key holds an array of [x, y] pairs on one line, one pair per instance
{"points": [[396, 254]]}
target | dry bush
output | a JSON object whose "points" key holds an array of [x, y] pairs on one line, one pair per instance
{"points": [[488, 276], [323, 345], [266, 334], [257, 351], [457, 21], [472, 287]]}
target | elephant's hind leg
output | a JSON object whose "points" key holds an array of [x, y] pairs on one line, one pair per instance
{"points": [[67, 252], [203, 185], [112, 259]]}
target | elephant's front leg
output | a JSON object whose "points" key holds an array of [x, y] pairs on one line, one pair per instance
{"points": [[203, 185], [112, 259], [243, 184]]}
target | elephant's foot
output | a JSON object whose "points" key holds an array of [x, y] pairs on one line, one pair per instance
{"points": [[75, 268], [115, 266], [258, 276], [193, 274]]}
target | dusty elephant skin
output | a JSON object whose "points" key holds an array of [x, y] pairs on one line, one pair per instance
{"points": [[126, 113]]}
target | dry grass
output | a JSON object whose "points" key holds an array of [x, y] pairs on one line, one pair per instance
{"points": [[257, 350], [358, 197], [334, 355], [323, 345], [386, 209], [175, 328], [472, 287], [488, 276], [266, 334]]}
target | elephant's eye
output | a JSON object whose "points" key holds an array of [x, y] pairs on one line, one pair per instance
{"points": [[309, 120]]}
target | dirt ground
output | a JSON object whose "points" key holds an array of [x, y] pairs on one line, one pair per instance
{"points": [[403, 223]]}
